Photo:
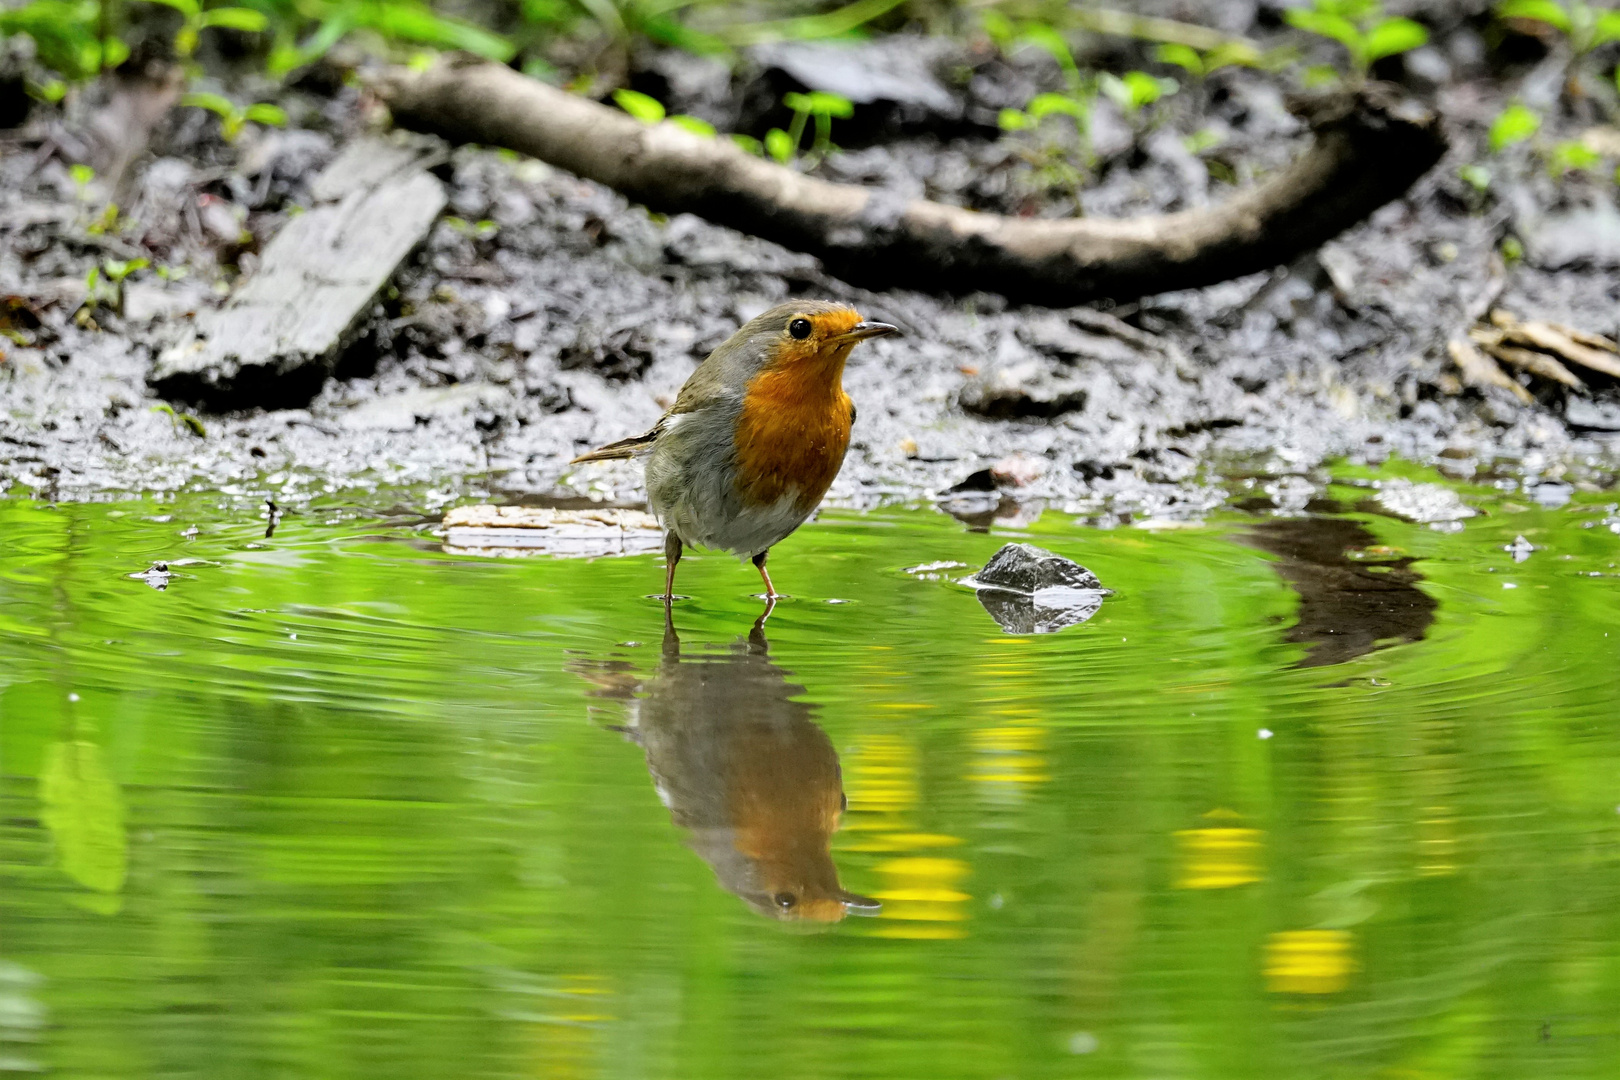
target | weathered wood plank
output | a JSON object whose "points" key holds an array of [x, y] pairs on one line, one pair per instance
{"points": [[278, 337]]}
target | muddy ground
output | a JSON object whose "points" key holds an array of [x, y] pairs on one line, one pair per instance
{"points": [[544, 314]]}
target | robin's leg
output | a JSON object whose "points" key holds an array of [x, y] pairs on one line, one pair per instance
{"points": [[759, 563], [672, 556]]}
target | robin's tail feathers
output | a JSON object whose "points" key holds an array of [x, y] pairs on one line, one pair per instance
{"points": [[624, 448]]}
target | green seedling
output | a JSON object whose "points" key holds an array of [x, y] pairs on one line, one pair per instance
{"points": [[233, 119], [1201, 65], [107, 223], [1586, 27], [823, 107], [1573, 156], [83, 176], [1361, 27], [1476, 176], [194, 20], [649, 110], [1135, 90], [1516, 123], [105, 283], [182, 420]]}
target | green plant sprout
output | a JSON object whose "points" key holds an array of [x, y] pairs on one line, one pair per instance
{"points": [[1586, 27], [233, 119], [1361, 27], [1201, 65], [1516, 123], [1135, 90], [394, 20], [649, 110], [182, 420], [1573, 155], [105, 283], [195, 20], [783, 145]]}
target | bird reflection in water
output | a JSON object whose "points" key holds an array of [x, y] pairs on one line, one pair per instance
{"points": [[1348, 606], [743, 769]]}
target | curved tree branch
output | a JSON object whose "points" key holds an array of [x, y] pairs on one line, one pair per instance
{"points": [[1370, 146]]}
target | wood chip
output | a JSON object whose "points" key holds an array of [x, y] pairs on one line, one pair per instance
{"points": [[1536, 363], [1576, 346], [526, 530], [280, 334], [1480, 371]]}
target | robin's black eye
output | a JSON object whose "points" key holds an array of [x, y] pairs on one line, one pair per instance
{"points": [[799, 328], [786, 900]]}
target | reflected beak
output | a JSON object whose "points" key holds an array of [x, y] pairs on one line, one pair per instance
{"points": [[856, 904], [864, 330]]}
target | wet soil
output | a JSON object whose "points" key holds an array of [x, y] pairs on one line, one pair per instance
{"points": [[545, 314]]}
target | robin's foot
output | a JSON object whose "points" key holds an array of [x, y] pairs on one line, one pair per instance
{"points": [[672, 559], [770, 590]]}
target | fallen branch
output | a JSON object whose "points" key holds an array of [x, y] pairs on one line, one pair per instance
{"points": [[1369, 148]]}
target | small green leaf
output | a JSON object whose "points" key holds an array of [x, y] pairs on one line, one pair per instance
{"points": [[82, 174], [1320, 75], [214, 103], [1606, 29], [696, 126], [194, 425], [1394, 36], [1232, 54], [646, 109], [1043, 105], [235, 18], [1013, 120], [1574, 156], [1517, 123], [779, 144], [749, 144], [188, 8], [825, 104], [1323, 24], [1202, 140], [113, 52], [1547, 11], [1477, 177], [266, 114], [1182, 56]]}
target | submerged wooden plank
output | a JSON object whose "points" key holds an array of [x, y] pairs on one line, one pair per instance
{"points": [[280, 334], [526, 530]]}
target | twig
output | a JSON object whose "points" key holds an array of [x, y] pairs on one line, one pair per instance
{"points": [[1371, 145], [1480, 371]]}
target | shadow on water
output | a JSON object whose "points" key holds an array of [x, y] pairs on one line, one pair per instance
{"points": [[1348, 607], [743, 769]]}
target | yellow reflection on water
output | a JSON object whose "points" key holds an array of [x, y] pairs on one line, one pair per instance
{"points": [[1008, 755], [1309, 961], [921, 898], [1218, 856]]}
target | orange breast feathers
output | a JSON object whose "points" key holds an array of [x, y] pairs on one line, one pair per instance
{"points": [[794, 426]]}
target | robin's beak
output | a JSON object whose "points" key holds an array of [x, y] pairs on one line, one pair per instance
{"points": [[864, 330]]}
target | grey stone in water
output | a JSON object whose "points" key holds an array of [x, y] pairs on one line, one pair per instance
{"points": [[1029, 590], [1026, 568]]}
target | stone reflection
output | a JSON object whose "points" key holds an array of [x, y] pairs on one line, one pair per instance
{"points": [[1348, 606], [743, 769]]}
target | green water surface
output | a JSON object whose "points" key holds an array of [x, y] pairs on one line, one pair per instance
{"points": [[1324, 798]]}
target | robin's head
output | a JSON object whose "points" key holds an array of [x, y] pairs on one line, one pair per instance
{"points": [[807, 335]]}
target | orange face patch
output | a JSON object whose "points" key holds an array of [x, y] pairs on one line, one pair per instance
{"points": [[794, 426]]}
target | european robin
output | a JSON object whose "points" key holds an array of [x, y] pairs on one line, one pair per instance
{"points": [[744, 770], [755, 437]]}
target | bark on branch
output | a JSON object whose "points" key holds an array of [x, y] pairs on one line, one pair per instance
{"points": [[1370, 146]]}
